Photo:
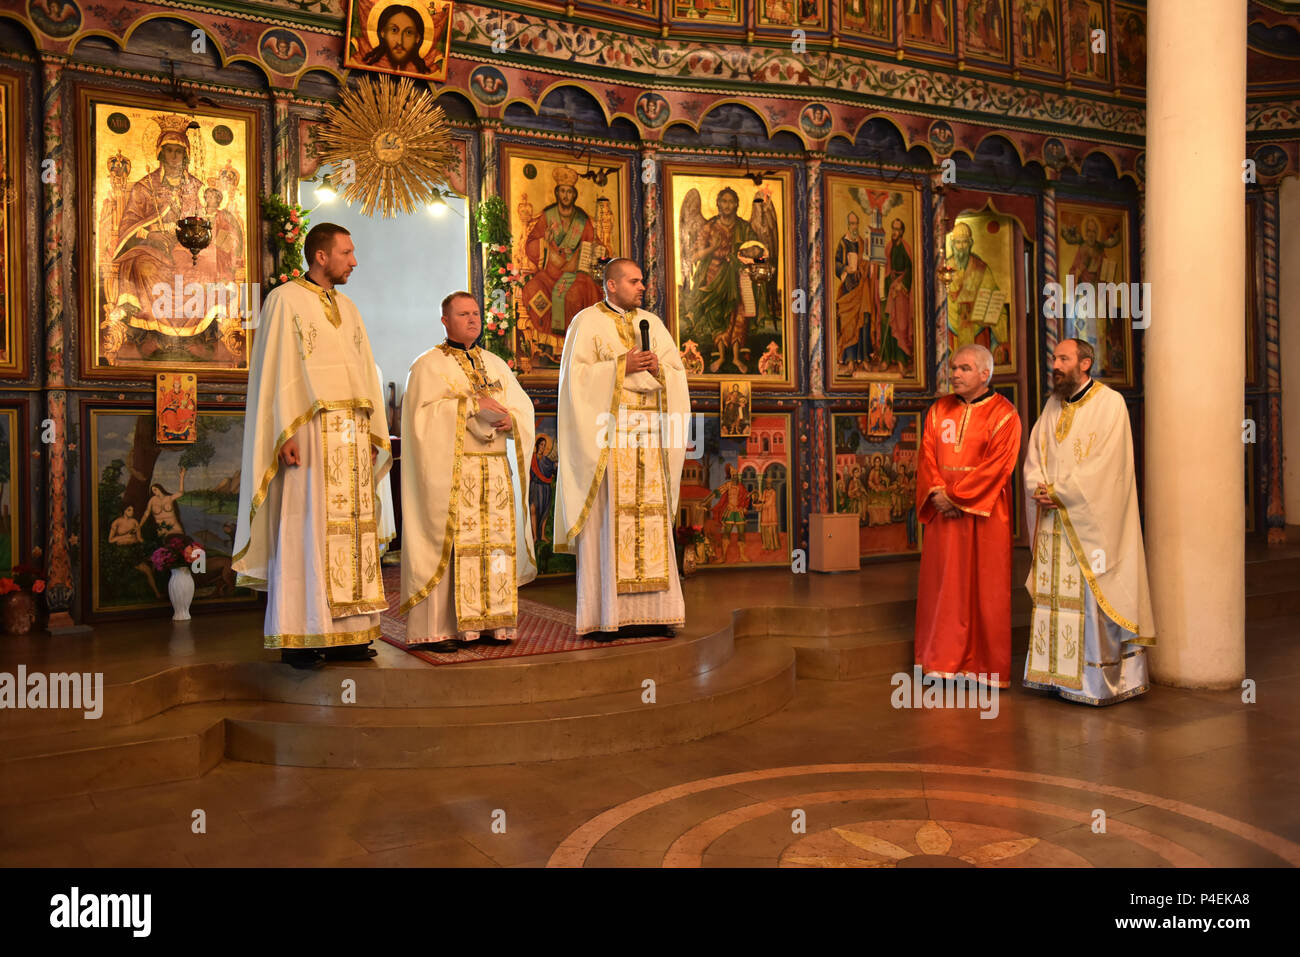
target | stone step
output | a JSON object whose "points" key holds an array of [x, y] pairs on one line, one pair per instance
{"points": [[154, 752], [186, 741], [758, 680], [1275, 604], [550, 677], [1272, 574]]}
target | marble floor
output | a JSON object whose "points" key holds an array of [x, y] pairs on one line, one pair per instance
{"points": [[839, 777]]}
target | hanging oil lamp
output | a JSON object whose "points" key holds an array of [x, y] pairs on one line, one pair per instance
{"points": [[195, 234]]}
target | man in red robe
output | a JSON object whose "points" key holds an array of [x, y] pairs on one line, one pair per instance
{"points": [[963, 496]]}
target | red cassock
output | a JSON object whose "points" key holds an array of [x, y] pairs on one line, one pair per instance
{"points": [[963, 600]]}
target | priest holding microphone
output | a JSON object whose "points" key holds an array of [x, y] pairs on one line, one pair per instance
{"points": [[622, 387]]}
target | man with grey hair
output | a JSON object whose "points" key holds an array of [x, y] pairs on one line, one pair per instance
{"points": [[963, 494], [1092, 611]]}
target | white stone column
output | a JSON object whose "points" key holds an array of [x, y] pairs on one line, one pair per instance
{"points": [[1195, 347]]}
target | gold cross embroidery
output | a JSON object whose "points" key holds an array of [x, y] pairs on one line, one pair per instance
{"points": [[475, 371], [306, 340]]}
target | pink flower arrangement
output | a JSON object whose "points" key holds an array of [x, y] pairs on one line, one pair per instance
{"points": [[176, 551]]}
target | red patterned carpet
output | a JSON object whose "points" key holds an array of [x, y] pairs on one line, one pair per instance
{"points": [[542, 630]]}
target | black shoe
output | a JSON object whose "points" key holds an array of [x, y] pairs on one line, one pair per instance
{"points": [[448, 646], [302, 658], [602, 636], [646, 631], [351, 653], [487, 638]]}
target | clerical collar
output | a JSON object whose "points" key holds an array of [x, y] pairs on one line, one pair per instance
{"points": [[314, 284], [1082, 392], [983, 398], [478, 341], [621, 312]]}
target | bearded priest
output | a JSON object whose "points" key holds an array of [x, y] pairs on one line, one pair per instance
{"points": [[623, 411], [1092, 611], [466, 424], [311, 527]]}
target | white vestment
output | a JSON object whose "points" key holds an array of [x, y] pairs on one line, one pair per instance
{"points": [[622, 442], [460, 505], [1092, 611], [311, 535]]}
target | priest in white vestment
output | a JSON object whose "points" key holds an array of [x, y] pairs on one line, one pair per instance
{"points": [[311, 528], [1092, 612], [466, 424], [621, 433]]}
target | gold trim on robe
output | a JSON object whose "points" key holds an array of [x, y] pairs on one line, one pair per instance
{"points": [[351, 532], [334, 639]]}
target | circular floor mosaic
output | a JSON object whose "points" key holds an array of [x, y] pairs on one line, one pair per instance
{"points": [[914, 815]]}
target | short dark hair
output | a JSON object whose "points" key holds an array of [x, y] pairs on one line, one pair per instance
{"points": [[612, 273], [1086, 351], [458, 294], [320, 238]]}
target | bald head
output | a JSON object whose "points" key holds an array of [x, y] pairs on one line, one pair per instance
{"points": [[624, 286], [615, 268]]}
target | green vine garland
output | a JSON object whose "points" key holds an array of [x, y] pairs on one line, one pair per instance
{"points": [[500, 277], [288, 222]]}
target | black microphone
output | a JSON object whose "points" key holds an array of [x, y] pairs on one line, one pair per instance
{"points": [[645, 335]]}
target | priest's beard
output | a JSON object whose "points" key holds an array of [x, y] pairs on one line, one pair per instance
{"points": [[1066, 384]]}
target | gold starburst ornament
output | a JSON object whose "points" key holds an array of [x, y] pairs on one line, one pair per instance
{"points": [[389, 144]]}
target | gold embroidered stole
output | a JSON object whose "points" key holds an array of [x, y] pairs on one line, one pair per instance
{"points": [[484, 547], [484, 543], [639, 481], [351, 531], [1056, 631]]}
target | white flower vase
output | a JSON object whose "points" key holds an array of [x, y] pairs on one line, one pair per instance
{"points": [[180, 589]]}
